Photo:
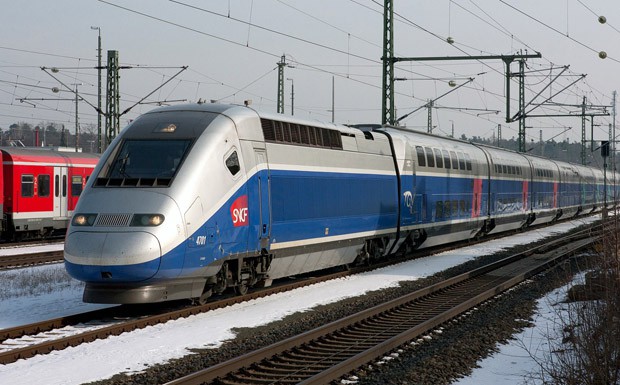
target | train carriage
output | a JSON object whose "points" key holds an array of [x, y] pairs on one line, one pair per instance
{"points": [[191, 200], [40, 189]]}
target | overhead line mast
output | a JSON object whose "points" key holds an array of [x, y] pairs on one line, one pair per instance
{"points": [[388, 116]]}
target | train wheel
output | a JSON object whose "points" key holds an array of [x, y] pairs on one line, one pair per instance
{"points": [[242, 288], [202, 300]]}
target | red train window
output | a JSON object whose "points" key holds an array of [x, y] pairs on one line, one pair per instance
{"points": [[43, 182], [56, 184], [27, 185], [76, 185], [64, 185]]}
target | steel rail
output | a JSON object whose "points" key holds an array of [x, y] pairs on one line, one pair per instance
{"points": [[445, 300]]}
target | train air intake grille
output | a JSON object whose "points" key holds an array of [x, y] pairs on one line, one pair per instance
{"points": [[113, 220]]}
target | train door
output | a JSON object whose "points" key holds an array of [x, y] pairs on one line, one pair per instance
{"points": [[408, 198], [61, 209], [264, 197]]}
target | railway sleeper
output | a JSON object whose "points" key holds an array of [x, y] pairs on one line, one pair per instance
{"points": [[312, 352], [246, 380], [336, 344], [303, 358], [281, 362], [277, 369], [344, 336], [255, 372]]}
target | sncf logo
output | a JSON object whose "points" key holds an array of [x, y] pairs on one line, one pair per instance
{"points": [[239, 211]]}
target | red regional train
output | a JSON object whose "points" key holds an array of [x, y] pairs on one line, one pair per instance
{"points": [[39, 188]]}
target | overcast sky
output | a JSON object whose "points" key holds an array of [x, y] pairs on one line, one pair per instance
{"points": [[231, 48]]}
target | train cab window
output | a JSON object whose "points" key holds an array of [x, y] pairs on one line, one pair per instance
{"points": [[461, 161], [421, 156], [146, 160], [76, 185], [438, 159], [27, 186], [446, 158], [232, 163], [43, 183], [455, 160], [430, 158]]}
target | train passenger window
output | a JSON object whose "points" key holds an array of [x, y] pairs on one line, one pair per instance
{"points": [[504, 169], [496, 169], [438, 159], [461, 161], [455, 161], [446, 158], [439, 210], [512, 170], [430, 158], [421, 156], [76, 185], [56, 185], [463, 208], [468, 161], [454, 208], [232, 163], [64, 185], [27, 186], [43, 182], [446, 209]]}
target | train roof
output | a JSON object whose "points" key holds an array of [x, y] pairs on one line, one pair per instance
{"points": [[45, 154]]}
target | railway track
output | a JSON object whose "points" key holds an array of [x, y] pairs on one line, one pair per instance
{"points": [[328, 353], [9, 259], [30, 259], [56, 334]]}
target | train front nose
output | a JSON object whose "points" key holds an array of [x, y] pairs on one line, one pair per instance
{"points": [[112, 257]]}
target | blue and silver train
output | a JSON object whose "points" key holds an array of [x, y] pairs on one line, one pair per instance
{"points": [[192, 200]]}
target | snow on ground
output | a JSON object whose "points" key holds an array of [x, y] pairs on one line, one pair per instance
{"points": [[31, 249], [132, 352], [517, 362]]}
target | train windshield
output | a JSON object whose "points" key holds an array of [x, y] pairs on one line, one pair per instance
{"points": [[141, 162]]}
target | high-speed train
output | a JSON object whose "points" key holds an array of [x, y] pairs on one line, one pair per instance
{"points": [[191, 200]]}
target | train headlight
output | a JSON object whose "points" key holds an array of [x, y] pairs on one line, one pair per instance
{"points": [[147, 220], [83, 219]]}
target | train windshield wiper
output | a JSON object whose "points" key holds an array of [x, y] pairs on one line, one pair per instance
{"points": [[124, 161]]}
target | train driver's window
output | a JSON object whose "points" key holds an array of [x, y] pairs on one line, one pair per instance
{"points": [[232, 163], [43, 182], [27, 185]]}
